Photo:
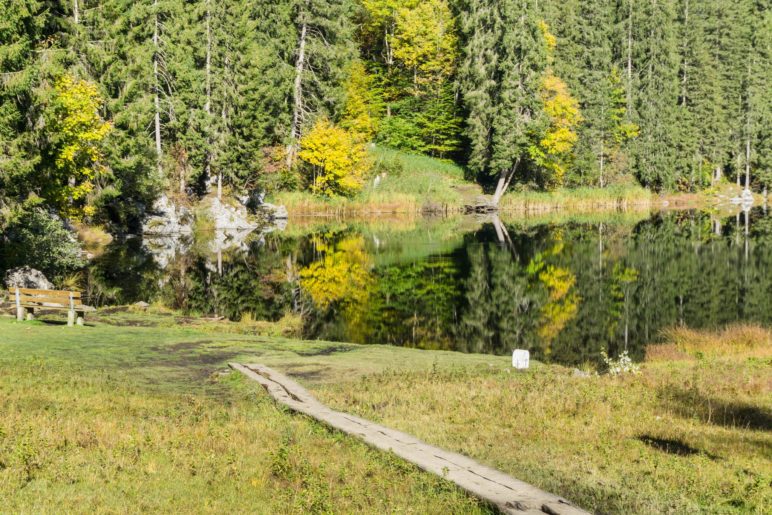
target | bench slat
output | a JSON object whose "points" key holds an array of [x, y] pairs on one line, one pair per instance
{"points": [[27, 292], [54, 305]]}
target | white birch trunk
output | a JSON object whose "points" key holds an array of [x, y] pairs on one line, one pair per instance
{"points": [[75, 11], [156, 99], [298, 97]]}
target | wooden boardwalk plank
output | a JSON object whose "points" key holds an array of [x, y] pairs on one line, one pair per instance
{"points": [[506, 493]]}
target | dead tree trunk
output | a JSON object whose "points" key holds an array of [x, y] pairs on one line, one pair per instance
{"points": [[208, 104], [297, 111], [157, 87], [505, 177]]}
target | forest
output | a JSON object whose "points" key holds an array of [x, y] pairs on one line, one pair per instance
{"points": [[104, 104]]}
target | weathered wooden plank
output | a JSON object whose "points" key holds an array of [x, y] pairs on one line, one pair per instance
{"points": [[47, 293], [50, 304], [508, 494]]}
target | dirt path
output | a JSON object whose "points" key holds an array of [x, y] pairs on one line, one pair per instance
{"points": [[506, 493]]}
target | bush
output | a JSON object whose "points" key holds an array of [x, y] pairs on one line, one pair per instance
{"points": [[36, 238]]}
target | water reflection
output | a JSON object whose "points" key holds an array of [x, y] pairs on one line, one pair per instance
{"points": [[564, 290]]}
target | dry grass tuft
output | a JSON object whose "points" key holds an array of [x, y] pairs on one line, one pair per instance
{"points": [[742, 340]]}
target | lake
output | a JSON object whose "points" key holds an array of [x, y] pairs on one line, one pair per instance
{"points": [[563, 288]]}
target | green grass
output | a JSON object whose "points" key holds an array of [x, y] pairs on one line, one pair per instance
{"points": [[411, 183], [138, 412], [579, 199], [148, 419], [691, 433]]}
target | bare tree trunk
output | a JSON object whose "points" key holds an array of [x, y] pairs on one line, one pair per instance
{"points": [[748, 160], [224, 115], [505, 177], [208, 104], [685, 45], [156, 99], [75, 11], [298, 97], [630, 58], [602, 150]]}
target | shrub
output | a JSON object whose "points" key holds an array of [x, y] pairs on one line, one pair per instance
{"points": [[40, 240]]}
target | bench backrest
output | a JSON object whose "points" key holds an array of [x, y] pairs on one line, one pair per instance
{"points": [[30, 296]]}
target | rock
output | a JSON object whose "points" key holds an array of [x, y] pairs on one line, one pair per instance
{"points": [[580, 373], [26, 277], [274, 212], [141, 305], [168, 219], [231, 218]]}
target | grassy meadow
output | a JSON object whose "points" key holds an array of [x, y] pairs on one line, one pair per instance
{"points": [[138, 412]]}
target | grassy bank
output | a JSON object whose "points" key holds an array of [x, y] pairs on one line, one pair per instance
{"points": [[580, 200], [406, 183], [690, 433], [410, 183], [139, 411]]}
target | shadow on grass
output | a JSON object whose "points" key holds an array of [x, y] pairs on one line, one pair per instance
{"points": [[671, 446], [688, 403]]}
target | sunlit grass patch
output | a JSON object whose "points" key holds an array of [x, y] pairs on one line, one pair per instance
{"points": [[690, 435], [149, 419], [742, 340]]}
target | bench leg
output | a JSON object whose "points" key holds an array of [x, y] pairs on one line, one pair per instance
{"points": [[71, 318], [30, 313], [81, 319]]}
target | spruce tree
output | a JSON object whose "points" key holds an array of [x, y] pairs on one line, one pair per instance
{"points": [[505, 56]]}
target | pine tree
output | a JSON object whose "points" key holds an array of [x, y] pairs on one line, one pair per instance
{"points": [[33, 52], [505, 56], [654, 90]]}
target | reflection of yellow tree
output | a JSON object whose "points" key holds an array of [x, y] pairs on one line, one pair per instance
{"points": [[562, 305], [562, 300], [341, 276]]}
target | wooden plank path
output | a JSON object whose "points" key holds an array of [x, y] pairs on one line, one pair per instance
{"points": [[506, 493]]}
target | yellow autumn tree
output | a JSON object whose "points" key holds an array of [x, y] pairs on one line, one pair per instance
{"points": [[335, 158], [553, 150], [426, 40], [358, 116], [76, 132]]}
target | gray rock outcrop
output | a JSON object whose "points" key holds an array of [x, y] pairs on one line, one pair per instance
{"points": [[168, 219], [229, 218], [26, 277]]}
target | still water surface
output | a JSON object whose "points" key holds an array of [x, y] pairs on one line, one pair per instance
{"points": [[563, 289]]}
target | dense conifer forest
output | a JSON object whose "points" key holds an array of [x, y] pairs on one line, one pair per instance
{"points": [[106, 103]]}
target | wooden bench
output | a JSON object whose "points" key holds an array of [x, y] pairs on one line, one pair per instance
{"points": [[28, 300]]}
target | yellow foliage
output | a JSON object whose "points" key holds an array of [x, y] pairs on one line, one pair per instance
{"points": [[337, 159], [550, 40], [77, 131], [357, 116], [557, 142], [426, 40], [563, 303]]}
